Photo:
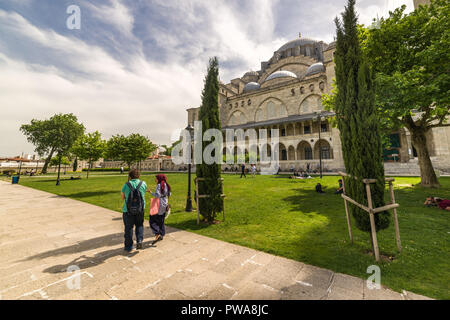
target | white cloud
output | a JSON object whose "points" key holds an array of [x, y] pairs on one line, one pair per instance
{"points": [[144, 97], [115, 14]]}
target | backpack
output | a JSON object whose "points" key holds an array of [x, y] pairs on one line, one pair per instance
{"points": [[135, 202]]}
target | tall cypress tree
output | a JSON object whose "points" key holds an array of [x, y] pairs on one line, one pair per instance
{"points": [[357, 121], [209, 116]]}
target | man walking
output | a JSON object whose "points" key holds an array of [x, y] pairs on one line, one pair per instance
{"points": [[133, 194], [243, 171]]}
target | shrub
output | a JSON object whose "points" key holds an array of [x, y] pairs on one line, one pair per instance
{"points": [[106, 169]]}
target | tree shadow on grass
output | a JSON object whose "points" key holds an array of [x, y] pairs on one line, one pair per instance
{"points": [[88, 194], [309, 201]]}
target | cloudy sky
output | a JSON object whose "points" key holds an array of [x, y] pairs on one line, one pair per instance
{"points": [[136, 65]]}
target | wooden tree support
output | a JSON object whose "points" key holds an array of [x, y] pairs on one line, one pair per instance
{"points": [[198, 196], [371, 210]]}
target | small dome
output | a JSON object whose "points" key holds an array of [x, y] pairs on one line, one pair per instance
{"points": [[251, 86], [296, 43], [315, 68], [281, 74], [251, 73]]}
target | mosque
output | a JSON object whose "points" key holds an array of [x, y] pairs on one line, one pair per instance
{"points": [[285, 94]]}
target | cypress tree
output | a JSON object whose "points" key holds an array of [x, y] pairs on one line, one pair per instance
{"points": [[209, 116], [358, 122], [75, 164]]}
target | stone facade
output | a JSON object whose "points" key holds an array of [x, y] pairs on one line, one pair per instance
{"points": [[286, 95]]}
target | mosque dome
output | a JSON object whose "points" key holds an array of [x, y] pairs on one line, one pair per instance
{"points": [[251, 86], [315, 68], [297, 43], [251, 73], [281, 74]]}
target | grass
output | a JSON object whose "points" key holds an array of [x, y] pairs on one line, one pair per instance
{"points": [[288, 218]]}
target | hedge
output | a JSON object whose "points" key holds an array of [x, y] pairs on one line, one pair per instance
{"points": [[106, 169]]}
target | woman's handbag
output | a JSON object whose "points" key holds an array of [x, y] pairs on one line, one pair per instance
{"points": [[154, 206], [167, 214]]}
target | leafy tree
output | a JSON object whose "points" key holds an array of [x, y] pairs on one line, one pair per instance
{"points": [[209, 116], [410, 54], [53, 136], [89, 147], [168, 150], [129, 149], [54, 162], [357, 121]]}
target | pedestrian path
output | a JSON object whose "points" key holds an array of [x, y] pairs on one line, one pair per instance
{"points": [[43, 236]]}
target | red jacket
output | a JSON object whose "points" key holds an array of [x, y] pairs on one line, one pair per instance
{"points": [[444, 204]]}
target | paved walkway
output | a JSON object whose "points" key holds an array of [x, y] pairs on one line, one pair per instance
{"points": [[42, 234]]}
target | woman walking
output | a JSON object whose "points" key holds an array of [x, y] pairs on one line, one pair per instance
{"points": [[162, 192]]}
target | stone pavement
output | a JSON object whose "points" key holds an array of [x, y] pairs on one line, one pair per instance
{"points": [[42, 235]]}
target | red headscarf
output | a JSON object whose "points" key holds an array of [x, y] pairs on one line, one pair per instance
{"points": [[162, 180]]}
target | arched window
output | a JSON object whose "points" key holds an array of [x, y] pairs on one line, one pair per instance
{"points": [[308, 153], [259, 115], [326, 152], [271, 110], [283, 111]]}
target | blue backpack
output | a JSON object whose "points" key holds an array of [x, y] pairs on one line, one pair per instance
{"points": [[135, 202]]}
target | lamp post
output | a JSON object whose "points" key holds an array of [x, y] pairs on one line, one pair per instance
{"points": [[319, 119], [190, 129]]}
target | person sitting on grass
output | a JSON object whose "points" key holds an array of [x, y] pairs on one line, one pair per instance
{"points": [[341, 187], [443, 204], [319, 188]]}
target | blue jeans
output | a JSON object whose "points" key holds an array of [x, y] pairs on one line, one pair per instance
{"points": [[130, 221], [157, 225]]}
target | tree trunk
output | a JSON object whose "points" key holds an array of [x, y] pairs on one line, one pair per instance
{"points": [[59, 171], [47, 161], [427, 174]]}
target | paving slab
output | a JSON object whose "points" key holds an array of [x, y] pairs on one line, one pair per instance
{"points": [[44, 235]]}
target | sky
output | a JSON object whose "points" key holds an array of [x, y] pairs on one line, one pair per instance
{"points": [[135, 66]]}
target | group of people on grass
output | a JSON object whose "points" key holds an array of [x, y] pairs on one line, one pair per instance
{"points": [[133, 195], [443, 204], [319, 188]]}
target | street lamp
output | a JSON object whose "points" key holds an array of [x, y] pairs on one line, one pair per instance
{"points": [[319, 119], [189, 129]]}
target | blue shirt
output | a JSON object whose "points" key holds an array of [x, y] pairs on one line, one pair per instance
{"points": [[126, 190]]}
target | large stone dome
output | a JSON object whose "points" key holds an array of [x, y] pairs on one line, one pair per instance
{"points": [[251, 73], [296, 43], [281, 74]]}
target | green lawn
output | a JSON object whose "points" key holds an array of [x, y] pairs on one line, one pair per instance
{"points": [[287, 218]]}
